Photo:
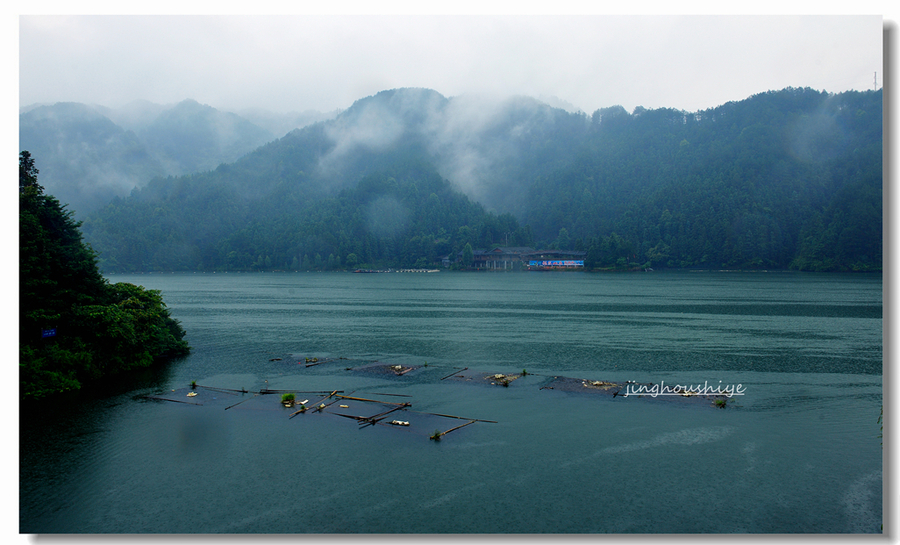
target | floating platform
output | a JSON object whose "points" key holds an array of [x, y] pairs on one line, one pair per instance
{"points": [[365, 409], [481, 377], [631, 390], [373, 410], [389, 369]]}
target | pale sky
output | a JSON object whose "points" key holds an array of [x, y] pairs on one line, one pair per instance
{"points": [[325, 62]]}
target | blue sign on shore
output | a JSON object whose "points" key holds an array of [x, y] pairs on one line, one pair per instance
{"points": [[48, 333]]}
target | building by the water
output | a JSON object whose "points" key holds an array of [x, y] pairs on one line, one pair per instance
{"points": [[522, 258], [549, 260]]}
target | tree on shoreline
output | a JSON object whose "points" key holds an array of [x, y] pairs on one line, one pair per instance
{"points": [[74, 326]]}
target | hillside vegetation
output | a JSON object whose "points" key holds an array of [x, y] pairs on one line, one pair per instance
{"points": [[90, 154], [74, 326], [783, 179]]}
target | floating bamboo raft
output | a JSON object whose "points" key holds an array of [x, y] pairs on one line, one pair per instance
{"points": [[634, 390], [368, 411], [479, 377], [381, 368]]}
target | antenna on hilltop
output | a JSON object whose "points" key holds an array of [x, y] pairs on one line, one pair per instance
{"points": [[876, 81]]}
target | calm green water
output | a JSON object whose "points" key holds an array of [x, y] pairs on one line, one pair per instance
{"points": [[798, 452]]}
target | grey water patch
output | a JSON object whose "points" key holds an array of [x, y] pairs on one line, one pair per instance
{"points": [[257, 519], [690, 436], [450, 496], [748, 451], [861, 504], [473, 445], [693, 436]]}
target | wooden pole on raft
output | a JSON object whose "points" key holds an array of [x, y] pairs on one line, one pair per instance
{"points": [[173, 400], [267, 391], [375, 417], [322, 406], [462, 418], [319, 406], [239, 402], [454, 372], [228, 391], [351, 416], [438, 436], [316, 407], [326, 397], [318, 362], [371, 400]]}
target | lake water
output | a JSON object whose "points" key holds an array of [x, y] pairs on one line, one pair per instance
{"points": [[799, 451]]}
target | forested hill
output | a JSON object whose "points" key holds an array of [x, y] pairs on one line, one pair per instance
{"points": [[89, 154], [783, 179], [74, 326]]}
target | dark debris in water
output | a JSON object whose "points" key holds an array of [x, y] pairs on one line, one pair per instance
{"points": [[199, 395], [368, 411], [480, 377], [389, 369]]}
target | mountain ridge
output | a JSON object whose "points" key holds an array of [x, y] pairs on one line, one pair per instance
{"points": [[788, 178], [86, 167]]}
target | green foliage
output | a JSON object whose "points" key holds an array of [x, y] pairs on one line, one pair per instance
{"points": [[78, 144], [100, 329], [287, 399], [468, 256], [404, 216], [784, 179]]}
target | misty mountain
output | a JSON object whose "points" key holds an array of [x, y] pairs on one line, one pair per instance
{"points": [[485, 145], [192, 137], [134, 116], [280, 124], [85, 158], [783, 178], [90, 154], [787, 178]]}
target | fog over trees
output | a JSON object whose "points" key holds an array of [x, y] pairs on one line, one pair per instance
{"points": [[783, 179]]}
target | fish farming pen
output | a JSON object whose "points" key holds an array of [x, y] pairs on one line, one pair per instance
{"points": [[366, 411], [631, 390], [372, 409], [380, 368], [310, 362], [480, 377]]}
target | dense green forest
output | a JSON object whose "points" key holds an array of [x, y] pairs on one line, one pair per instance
{"points": [[74, 326], [783, 179], [404, 215]]}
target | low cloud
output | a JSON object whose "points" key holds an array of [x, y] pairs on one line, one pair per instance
{"points": [[386, 217]]}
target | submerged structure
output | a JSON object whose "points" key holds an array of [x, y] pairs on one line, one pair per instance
{"points": [[372, 409]]}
